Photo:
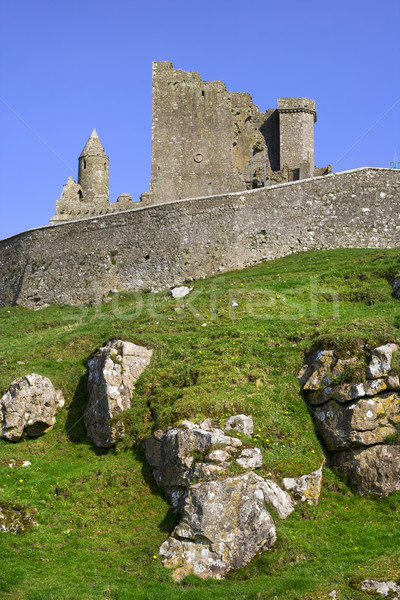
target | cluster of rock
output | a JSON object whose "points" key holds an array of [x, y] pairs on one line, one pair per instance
{"points": [[223, 519], [355, 420], [112, 374], [29, 407]]}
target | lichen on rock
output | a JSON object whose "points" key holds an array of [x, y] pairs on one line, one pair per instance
{"points": [[112, 373], [224, 521], [223, 525], [356, 418], [29, 407]]}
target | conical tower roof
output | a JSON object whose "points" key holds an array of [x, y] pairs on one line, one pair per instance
{"points": [[93, 146]]}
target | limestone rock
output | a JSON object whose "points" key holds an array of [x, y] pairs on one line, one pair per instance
{"points": [[355, 419], [176, 455], [306, 488], [250, 458], [29, 407], [384, 588], [393, 382], [321, 374], [381, 358], [179, 292], [344, 392], [223, 525], [396, 286], [219, 456], [112, 373], [241, 423], [14, 519], [343, 364], [374, 386], [374, 470], [277, 498], [363, 423]]}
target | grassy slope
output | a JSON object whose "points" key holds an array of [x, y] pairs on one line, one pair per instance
{"points": [[100, 517]]}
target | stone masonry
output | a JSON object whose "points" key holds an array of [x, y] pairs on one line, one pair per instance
{"points": [[89, 196], [156, 247], [207, 140]]}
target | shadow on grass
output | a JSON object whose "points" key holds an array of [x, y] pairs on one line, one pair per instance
{"points": [[171, 518], [74, 425]]}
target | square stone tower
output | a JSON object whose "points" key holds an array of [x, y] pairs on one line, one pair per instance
{"points": [[207, 140]]}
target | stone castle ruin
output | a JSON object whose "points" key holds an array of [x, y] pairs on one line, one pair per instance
{"points": [[230, 186], [205, 141], [89, 196]]}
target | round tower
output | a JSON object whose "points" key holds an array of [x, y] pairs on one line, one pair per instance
{"points": [[93, 171], [296, 133]]}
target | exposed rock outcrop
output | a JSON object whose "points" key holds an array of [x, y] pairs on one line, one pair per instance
{"points": [[396, 286], [112, 373], [223, 525], [192, 451], [355, 418], [29, 407], [224, 522], [375, 469], [388, 589]]}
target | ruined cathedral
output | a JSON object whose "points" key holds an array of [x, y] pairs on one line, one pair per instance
{"points": [[205, 141]]}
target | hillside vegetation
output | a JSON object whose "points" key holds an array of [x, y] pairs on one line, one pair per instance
{"points": [[101, 518]]}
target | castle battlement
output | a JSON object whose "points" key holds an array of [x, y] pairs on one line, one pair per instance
{"points": [[231, 186], [157, 246], [205, 141]]}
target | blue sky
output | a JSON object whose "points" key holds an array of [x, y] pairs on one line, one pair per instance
{"points": [[67, 67]]}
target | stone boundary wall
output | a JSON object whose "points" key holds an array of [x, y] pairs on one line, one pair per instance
{"points": [[162, 245]]}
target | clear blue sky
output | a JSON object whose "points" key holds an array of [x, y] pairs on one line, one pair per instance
{"points": [[69, 66]]}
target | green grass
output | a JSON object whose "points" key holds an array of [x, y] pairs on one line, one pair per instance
{"points": [[101, 518]]}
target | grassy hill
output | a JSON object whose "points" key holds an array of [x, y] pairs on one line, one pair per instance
{"points": [[100, 517]]}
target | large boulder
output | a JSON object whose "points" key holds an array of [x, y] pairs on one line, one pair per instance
{"points": [[224, 522], [356, 405], [375, 470], [29, 407], [223, 525], [112, 374]]}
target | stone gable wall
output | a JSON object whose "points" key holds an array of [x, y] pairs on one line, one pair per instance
{"points": [[162, 245]]}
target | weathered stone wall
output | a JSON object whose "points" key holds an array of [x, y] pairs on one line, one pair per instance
{"points": [[156, 247], [296, 127], [204, 138], [89, 196]]}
